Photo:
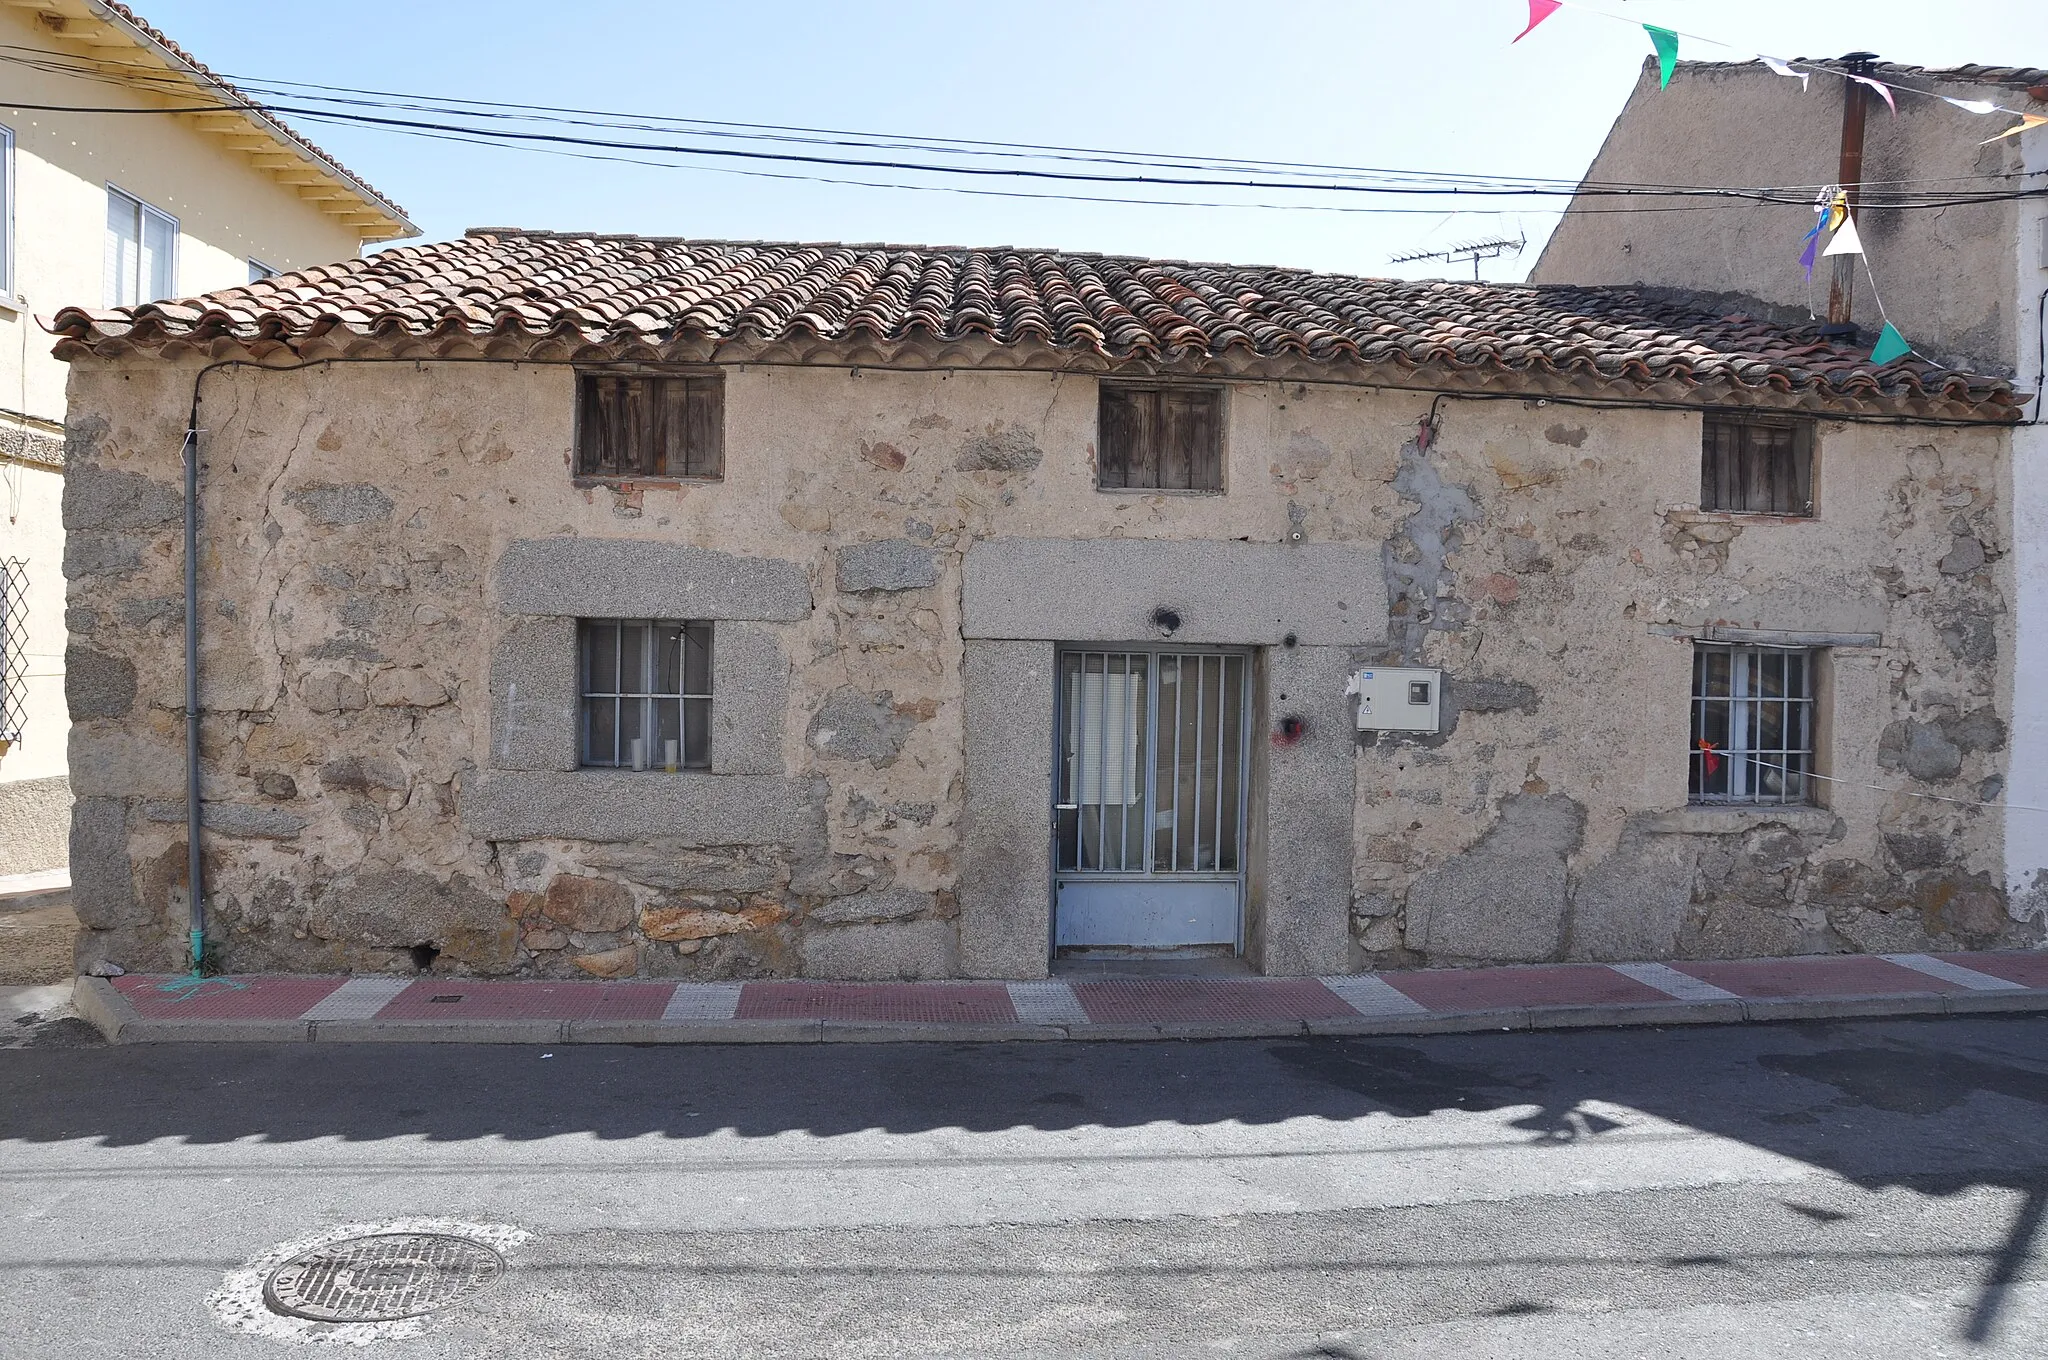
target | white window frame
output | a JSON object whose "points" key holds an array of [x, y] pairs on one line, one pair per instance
{"points": [[146, 210], [7, 213]]}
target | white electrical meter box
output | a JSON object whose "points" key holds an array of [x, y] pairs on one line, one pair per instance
{"points": [[1397, 698]]}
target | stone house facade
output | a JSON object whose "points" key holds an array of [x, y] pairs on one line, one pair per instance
{"points": [[1967, 281], [615, 606]]}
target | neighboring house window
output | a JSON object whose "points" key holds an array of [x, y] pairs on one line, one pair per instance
{"points": [[646, 694], [645, 426], [6, 212], [142, 251], [13, 649], [259, 271], [1160, 438], [1757, 465], [1752, 724]]}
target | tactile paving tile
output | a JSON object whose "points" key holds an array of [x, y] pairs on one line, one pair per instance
{"points": [[359, 998], [1818, 976], [1956, 973], [1486, 989], [1046, 1003], [930, 1002], [1156, 1000]]}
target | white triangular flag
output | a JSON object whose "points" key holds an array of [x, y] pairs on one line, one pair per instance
{"points": [[1785, 70], [1972, 105], [1846, 241]]}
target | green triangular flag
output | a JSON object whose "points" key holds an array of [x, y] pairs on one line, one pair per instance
{"points": [[1666, 43], [1890, 345]]}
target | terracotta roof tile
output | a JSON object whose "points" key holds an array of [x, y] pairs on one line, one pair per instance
{"points": [[599, 290]]}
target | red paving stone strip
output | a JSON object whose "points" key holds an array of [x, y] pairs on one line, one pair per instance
{"points": [[1818, 976], [1484, 989], [1166, 1000], [985, 1003], [255, 997], [457, 1001], [272, 1008]]}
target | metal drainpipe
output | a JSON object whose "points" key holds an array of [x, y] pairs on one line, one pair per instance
{"points": [[194, 869]]}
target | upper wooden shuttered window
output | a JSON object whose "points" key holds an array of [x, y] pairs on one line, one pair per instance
{"points": [[1757, 465], [1160, 438], [642, 425]]}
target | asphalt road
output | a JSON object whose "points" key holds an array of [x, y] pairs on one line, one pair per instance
{"points": [[1838, 1190]]}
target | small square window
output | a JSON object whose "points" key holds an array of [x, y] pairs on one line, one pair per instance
{"points": [[636, 425], [645, 687], [1757, 465], [1752, 724], [1159, 438]]}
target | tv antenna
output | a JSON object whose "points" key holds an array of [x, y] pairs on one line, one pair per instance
{"points": [[1492, 248]]}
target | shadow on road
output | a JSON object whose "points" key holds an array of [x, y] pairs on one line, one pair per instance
{"points": [[1938, 1106]]}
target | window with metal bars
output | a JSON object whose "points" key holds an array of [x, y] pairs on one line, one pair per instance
{"points": [[646, 694], [1757, 465], [13, 649], [644, 425], [1159, 438], [1752, 724]]}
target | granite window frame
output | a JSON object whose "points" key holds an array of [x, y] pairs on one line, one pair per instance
{"points": [[610, 702], [635, 424]]}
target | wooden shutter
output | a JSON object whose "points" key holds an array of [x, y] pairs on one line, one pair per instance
{"points": [[650, 426], [1116, 437], [1756, 466], [704, 439], [1164, 437]]}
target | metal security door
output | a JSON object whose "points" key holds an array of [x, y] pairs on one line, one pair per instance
{"points": [[1149, 812]]}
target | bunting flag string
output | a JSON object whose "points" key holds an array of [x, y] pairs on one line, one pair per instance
{"points": [[1665, 41]]}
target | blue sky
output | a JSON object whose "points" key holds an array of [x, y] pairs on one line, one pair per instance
{"points": [[1413, 85]]}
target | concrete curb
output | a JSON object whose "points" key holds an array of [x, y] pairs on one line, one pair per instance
{"points": [[103, 1005]]}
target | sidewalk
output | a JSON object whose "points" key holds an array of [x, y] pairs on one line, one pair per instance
{"points": [[138, 1009]]}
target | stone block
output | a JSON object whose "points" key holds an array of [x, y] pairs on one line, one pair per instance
{"points": [[397, 909], [610, 963], [1920, 749], [1006, 449], [675, 867], [334, 692], [891, 904], [35, 824], [1631, 904], [898, 951], [250, 821], [1107, 590], [101, 554], [101, 497], [591, 905], [685, 922], [891, 564], [851, 725], [1503, 901], [1005, 864], [691, 809], [361, 774], [533, 695], [337, 506], [750, 698], [1306, 888], [97, 685], [120, 764], [102, 879], [407, 687], [637, 579]]}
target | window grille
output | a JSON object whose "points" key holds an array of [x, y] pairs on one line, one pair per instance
{"points": [[1752, 724], [1757, 465], [633, 425], [1160, 438], [13, 649], [646, 694]]}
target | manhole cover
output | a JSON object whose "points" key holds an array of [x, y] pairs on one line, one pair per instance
{"points": [[382, 1278]]}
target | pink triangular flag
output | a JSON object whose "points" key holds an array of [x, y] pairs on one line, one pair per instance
{"points": [[1539, 10], [2027, 120], [1882, 89], [1784, 69], [1846, 241]]}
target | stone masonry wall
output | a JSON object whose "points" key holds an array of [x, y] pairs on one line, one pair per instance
{"points": [[390, 574]]}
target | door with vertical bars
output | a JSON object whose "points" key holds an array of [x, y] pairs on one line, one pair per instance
{"points": [[1149, 809]]}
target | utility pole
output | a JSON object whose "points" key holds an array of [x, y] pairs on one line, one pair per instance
{"points": [[1849, 175]]}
